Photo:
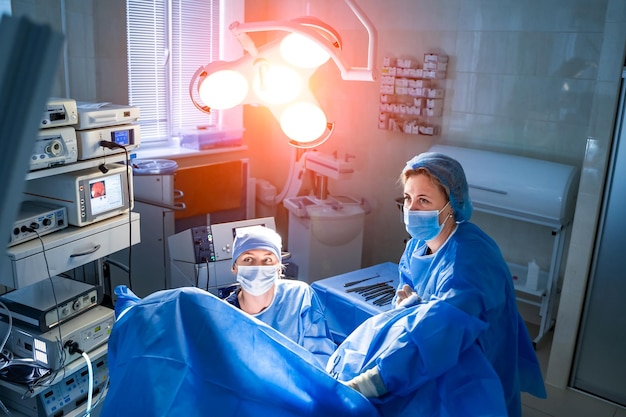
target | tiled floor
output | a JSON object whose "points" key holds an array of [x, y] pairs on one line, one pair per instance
{"points": [[565, 403]]}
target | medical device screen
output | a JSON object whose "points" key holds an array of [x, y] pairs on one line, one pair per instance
{"points": [[122, 137], [236, 229], [106, 193]]}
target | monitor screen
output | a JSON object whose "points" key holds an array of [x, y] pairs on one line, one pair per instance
{"points": [[244, 228], [106, 193], [122, 137]]}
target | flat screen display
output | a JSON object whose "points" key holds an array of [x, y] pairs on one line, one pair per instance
{"points": [[244, 228], [106, 194], [122, 137]]}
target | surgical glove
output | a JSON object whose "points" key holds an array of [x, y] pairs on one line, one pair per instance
{"points": [[369, 383], [410, 301], [406, 297]]}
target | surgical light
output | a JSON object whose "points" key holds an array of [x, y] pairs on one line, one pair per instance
{"points": [[303, 122], [276, 84], [277, 75], [224, 89], [303, 52]]}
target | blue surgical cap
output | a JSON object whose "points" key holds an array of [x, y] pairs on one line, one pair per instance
{"points": [[256, 237], [450, 172]]}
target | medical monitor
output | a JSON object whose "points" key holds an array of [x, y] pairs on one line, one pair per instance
{"points": [[105, 194], [89, 195], [223, 234]]}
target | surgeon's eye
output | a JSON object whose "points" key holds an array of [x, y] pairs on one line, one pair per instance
{"points": [[247, 259], [268, 261]]}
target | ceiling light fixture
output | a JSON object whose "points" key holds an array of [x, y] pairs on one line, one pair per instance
{"points": [[277, 75]]}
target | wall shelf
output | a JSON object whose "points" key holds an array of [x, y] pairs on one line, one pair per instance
{"points": [[411, 95]]}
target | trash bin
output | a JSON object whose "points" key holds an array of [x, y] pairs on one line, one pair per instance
{"points": [[153, 166]]}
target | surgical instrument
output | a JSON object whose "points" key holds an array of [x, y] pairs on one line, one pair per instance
{"points": [[384, 291], [384, 300], [349, 284], [374, 290], [366, 287]]}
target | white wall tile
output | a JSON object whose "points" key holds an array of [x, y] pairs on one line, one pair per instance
{"points": [[501, 52], [571, 16], [616, 11], [612, 52], [569, 55]]}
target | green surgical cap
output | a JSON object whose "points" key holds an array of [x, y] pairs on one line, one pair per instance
{"points": [[450, 172]]}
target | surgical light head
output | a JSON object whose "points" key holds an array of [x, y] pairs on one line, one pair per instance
{"points": [[277, 75], [256, 237], [450, 173]]}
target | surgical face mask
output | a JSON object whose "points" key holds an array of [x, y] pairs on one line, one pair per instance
{"points": [[257, 280], [423, 224]]}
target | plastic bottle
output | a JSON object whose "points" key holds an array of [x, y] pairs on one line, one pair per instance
{"points": [[532, 279]]}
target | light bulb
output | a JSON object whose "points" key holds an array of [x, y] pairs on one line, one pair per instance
{"points": [[302, 52], [276, 84], [303, 122], [223, 89]]}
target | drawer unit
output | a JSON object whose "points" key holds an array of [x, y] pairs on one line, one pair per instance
{"points": [[68, 248]]}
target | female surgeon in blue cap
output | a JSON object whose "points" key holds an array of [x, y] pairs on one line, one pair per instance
{"points": [[289, 306], [455, 304]]}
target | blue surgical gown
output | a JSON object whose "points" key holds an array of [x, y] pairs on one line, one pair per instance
{"points": [[412, 351], [469, 272], [297, 313], [185, 352]]}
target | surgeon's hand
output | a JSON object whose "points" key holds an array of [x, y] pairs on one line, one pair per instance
{"points": [[403, 294], [407, 300], [369, 383]]}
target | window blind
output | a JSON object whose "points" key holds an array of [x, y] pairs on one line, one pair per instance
{"points": [[167, 41]]}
